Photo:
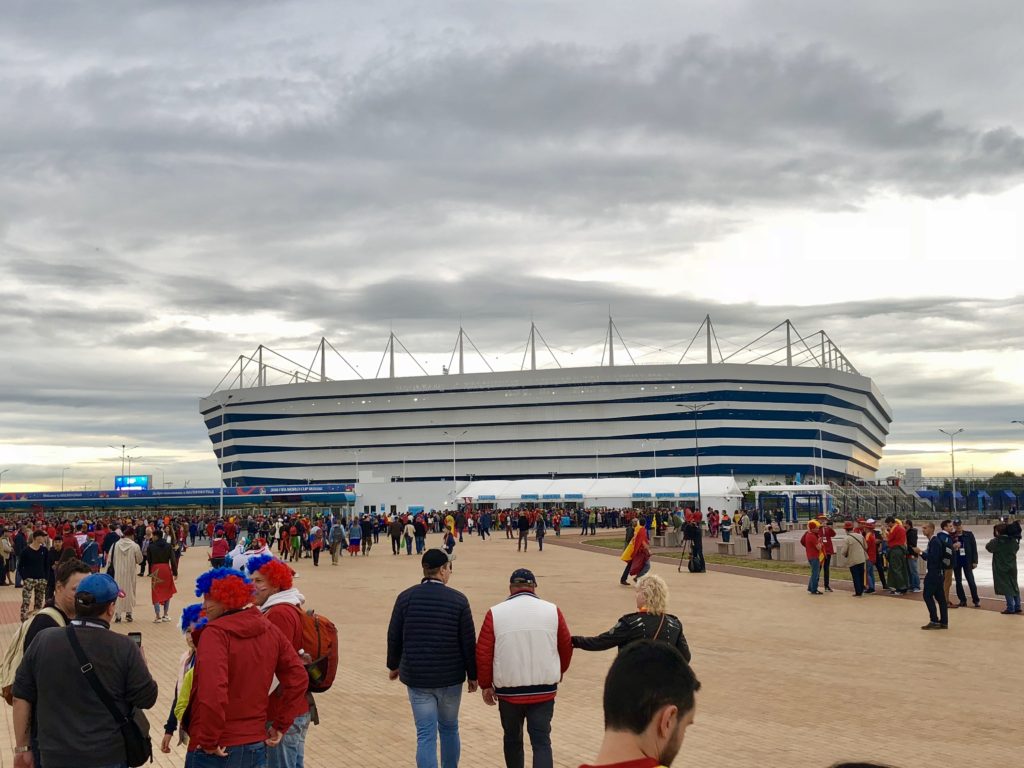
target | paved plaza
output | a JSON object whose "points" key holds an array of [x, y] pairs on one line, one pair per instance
{"points": [[788, 679]]}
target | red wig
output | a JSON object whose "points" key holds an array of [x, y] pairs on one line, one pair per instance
{"points": [[226, 586], [277, 573]]}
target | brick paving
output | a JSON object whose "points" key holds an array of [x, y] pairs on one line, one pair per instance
{"points": [[788, 679]]}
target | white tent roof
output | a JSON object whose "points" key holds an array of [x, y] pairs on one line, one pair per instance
{"points": [[581, 488]]}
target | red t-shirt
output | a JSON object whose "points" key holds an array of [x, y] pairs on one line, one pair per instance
{"points": [[810, 541], [219, 548]]}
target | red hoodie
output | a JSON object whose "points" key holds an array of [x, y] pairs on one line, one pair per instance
{"points": [[237, 658], [288, 619]]}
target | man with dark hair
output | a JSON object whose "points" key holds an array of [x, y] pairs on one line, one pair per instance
{"points": [[432, 649], [965, 549], [935, 557], [79, 730], [522, 653], [649, 702]]}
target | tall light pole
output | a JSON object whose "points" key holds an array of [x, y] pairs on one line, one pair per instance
{"points": [[62, 471], [952, 461], [124, 453], [695, 409], [4, 472], [455, 438], [653, 441]]}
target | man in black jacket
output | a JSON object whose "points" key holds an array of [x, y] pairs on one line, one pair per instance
{"points": [[934, 588], [432, 649], [965, 547]]}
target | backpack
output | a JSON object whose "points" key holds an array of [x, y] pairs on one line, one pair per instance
{"points": [[320, 642], [16, 649]]}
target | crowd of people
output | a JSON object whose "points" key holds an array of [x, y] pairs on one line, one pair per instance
{"points": [[248, 671]]}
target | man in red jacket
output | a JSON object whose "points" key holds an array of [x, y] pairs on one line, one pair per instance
{"points": [[238, 656], [281, 604], [518, 670]]}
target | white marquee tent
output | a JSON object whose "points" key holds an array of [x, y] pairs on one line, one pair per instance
{"points": [[717, 492]]}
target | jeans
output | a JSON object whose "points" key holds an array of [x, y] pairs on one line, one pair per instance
{"points": [[812, 584], [1013, 603], [962, 571], [242, 756], [436, 711], [915, 575], [538, 725], [408, 545], [524, 540], [291, 752], [420, 543], [934, 591], [540, 543], [871, 575]]}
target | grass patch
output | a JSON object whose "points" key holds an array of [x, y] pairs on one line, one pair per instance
{"points": [[776, 566]]}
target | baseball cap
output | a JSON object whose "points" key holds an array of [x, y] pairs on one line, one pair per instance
{"points": [[96, 589], [523, 576], [958, 521], [434, 558]]}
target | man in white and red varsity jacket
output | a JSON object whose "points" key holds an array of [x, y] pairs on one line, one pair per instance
{"points": [[524, 649]]}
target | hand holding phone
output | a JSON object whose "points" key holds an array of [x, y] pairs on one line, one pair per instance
{"points": [[136, 637]]}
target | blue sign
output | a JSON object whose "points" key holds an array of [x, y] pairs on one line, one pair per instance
{"points": [[132, 482]]}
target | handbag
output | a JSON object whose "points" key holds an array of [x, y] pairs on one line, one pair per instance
{"points": [[138, 747]]}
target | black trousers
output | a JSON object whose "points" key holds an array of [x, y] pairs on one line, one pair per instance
{"points": [[826, 569], [934, 592], [880, 571], [625, 573], [857, 574], [538, 725], [959, 572], [396, 545]]}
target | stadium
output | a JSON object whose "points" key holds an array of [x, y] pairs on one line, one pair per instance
{"points": [[782, 408]]}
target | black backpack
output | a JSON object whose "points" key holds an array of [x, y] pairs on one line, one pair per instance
{"points": [[696, 563]]}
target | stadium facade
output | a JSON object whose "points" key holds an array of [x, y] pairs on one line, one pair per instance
{"points": [[805, 413]]}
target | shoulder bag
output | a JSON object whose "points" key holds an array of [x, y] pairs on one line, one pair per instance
{"points": [[138, 747]]}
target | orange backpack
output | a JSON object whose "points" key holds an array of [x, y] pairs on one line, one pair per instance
{"points": [[320, 643]]}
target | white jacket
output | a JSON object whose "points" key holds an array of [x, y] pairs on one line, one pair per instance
{"points": [[525, 642]]}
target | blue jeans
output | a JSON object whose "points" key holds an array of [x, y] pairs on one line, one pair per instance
{"points": [[243, 756], [871, 576], [420, 542], [812, 584], [291, 752], [436, 710], [1012, 602], [915, 575]]}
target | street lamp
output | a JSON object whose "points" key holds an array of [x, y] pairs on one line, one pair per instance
{"points": [[356, 452], [695, 409], [124, 451], [952, 460], [455, 438], [63, 470], [654, 450], [4, 472]]}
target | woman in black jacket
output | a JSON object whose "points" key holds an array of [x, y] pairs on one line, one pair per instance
{"points": [[650, 621]]}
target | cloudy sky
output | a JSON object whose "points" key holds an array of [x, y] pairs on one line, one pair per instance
{"points": [[182, 181]]}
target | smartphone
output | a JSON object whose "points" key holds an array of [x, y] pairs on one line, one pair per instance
{"points": [[136, 637]]}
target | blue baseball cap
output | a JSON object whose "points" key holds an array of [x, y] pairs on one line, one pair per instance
{"points": [[96, 589]]}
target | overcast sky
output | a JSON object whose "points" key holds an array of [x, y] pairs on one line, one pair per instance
{"points": [[182, 181]]}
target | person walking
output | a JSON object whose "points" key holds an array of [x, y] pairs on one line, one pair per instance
{"points": [[649, 702], [627, 555], [409, 533], [281, 604], [395, 528], [523, 651], [432, 650], [127, 556], [1004, 567], [84, 658], [163, 570], [939, 559], [650, 621], [855, 553], [33, 566], [523, 526], [338, 541], [965, 546], [539, 529], [239, 656], [811, 542]]}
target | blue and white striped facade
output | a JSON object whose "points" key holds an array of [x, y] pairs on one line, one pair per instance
{"points": [[605, 421]]}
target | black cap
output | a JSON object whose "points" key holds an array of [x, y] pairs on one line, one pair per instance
{"points": [[957, 522], [434, 558], [523, 576]]}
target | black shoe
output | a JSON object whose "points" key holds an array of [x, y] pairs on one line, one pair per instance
{"points": [[932, 625], [828, 589], [1007, 611], [977, 605], [962, 605], [624, 583], [869, 591]]}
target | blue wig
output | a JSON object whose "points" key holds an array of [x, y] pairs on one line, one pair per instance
{"points": [[190, 617]]}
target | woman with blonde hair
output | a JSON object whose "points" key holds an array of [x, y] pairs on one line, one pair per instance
{"points": [[651, 621]]}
